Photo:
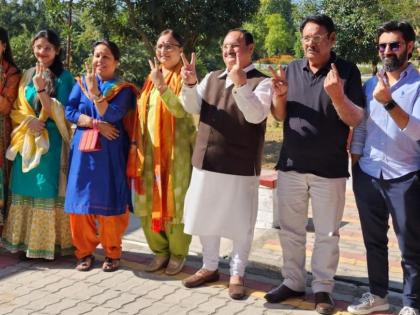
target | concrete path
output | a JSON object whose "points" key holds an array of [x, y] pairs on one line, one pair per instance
{"points": [[39, 287]]}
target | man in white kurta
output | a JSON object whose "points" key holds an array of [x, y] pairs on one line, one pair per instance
{"points": [[222, 197]]}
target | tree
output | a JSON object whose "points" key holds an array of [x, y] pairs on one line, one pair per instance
{"points": [[278, 39], [405, 10], [201, 23], [356, 25], [272, 27], [198, 21]]}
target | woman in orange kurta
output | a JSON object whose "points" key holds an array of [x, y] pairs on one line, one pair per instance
{"points": [[9, 82]]}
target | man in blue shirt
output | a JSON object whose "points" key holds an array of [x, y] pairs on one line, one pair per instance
{"points": [[386, 169]]}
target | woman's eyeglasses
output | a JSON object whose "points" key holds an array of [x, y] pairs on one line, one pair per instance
{"points": [[166, 47], [394, 46]]}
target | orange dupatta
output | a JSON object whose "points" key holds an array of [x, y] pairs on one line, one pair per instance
{"points": [[163, 206]]}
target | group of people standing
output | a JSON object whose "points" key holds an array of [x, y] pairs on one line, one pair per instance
{"points": [[134, 151]]}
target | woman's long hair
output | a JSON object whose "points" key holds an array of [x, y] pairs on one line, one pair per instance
{"points": [[7, 55], [55, 69], [57, 66]]}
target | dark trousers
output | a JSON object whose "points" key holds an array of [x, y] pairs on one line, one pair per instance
{"points": [[376, 199]]}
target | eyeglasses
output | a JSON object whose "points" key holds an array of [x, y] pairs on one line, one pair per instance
{"points": [[166, 47], [316, 39], [394, 46], [230, 46]]}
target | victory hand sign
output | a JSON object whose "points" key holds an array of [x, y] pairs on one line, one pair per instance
{"points": [[279, 81], [188, 72], [91, 83], [156, 76]]}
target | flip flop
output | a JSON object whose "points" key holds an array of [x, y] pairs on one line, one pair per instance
{"points": [[111, 265], [85, 263]]}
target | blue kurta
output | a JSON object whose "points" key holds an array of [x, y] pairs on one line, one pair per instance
{"points": [[97, 182]]}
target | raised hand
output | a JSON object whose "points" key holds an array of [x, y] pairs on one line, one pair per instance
{"points": [[188, 73], [39, 79], [156, 75], [92, 84], [382, 91], [279, 81], [237, 74], [333, 85]]}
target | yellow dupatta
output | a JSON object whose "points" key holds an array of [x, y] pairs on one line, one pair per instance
{"points": [[30, 146], [163, 207]]}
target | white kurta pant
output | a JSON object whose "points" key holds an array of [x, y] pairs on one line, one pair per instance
{"points": [[327, 198], [222, 205]]}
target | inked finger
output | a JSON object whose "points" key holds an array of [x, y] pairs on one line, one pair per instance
{"points": [[334, 68], [152, 66], [238, 61], [381, 79]]}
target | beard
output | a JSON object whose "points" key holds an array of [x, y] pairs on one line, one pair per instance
{"points": [[393, 62]]}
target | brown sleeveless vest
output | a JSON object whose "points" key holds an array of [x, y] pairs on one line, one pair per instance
{"points": [[226, 142]]}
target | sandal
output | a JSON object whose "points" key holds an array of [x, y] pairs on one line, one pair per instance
{"points": [[111, 265], [85, 263]]}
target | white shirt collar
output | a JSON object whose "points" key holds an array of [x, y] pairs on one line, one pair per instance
{"points": [[228, 80]]}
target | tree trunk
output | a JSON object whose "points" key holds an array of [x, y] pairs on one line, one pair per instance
{"points": [[374, 68], [69, 26]]}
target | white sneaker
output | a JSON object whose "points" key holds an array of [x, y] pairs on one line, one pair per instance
{"points": [[370, 303], [407, 310]]}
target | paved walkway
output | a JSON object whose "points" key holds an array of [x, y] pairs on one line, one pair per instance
{"points": [[39, 287]]}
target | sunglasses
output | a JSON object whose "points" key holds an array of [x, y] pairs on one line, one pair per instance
{"points": [[394, 46]]}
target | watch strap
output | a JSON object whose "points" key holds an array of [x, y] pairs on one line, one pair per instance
{"points": [[390, 105]]}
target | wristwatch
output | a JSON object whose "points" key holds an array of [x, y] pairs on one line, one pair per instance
{"points": [[390, 105]]}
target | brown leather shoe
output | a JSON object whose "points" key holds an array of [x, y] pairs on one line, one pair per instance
{"points": [[202, 276], [237, 289], [324, 304], [175, 265], [158, 262]]}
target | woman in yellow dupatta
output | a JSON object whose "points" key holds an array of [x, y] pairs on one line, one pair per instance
{"points": [[163, 134], [36, 224], [9, 82]]}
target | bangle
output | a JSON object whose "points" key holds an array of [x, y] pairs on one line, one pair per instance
{"points": [[41, 90], [96, 97], [95, 124]]}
